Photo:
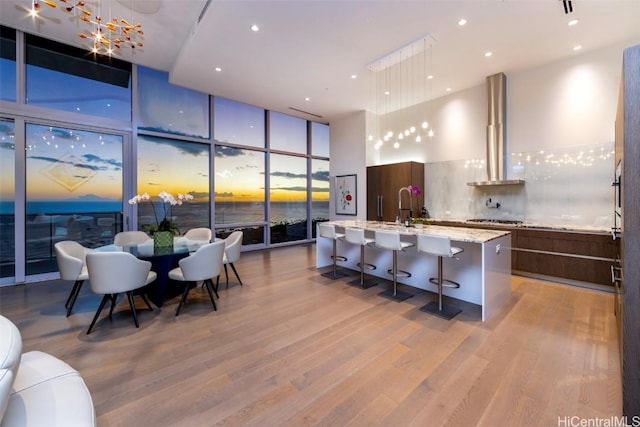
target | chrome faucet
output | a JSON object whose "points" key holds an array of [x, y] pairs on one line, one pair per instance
{"points": [[398, 218]]}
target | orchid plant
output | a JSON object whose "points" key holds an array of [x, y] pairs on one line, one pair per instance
{"points": [[168, 201], [414, 189]]}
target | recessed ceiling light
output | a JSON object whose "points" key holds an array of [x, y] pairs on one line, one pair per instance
{"points": [[462, 21], [573, 22], [448, 89], [353, 76], [218, 69], [577, 47], [307, 99], [255, 28], [386, 92], [430, 76], [488, 54]]}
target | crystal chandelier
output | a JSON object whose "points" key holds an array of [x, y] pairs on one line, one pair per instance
{"points": [[107, 36]]}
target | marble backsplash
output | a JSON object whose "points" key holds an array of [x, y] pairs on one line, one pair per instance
{"points": [[568, 187]]}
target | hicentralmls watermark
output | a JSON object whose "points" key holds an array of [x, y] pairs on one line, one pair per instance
{"points": [[576, 421]]}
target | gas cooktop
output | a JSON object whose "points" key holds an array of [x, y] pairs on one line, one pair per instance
{"points": [[495, 221]]}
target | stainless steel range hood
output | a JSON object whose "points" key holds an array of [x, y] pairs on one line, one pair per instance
{"points": [[496, 133]]}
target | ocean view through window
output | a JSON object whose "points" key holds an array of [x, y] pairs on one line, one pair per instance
{"points": [[73, 181]]}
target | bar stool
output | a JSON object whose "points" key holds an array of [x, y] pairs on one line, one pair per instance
{"points": [[439, 246], [391, 240], [356, 236], [329, 231]]}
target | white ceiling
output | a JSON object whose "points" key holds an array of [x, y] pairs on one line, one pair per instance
{"points": [[311, 48]]}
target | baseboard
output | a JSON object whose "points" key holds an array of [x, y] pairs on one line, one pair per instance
{"points": [[576, 283]]}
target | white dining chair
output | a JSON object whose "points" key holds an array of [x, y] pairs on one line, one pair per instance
{"points": [[111, 273], [130, 238], [232, 246], [71, 259], [202, 234], [202, 265]]}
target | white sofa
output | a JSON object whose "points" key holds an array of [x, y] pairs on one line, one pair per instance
{"points": [[38, 389]]}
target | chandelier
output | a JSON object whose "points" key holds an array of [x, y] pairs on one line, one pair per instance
{"points": [[106, 36], [401, 86]]}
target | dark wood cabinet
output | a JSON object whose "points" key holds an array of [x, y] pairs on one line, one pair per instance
{"points": [[628, 150], [584, 257], [383, 185], [572, 256]]}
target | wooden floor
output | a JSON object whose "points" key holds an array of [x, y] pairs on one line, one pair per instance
{"points": [[292, 348]]}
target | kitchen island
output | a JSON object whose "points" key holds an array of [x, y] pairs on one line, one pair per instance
{"points": [[483, 270]]}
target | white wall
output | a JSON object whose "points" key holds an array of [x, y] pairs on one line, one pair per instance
{"points": [[566, 103], [348, 156], [566, 108]]}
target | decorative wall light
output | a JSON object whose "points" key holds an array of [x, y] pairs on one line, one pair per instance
{"points": [[107, 36]]}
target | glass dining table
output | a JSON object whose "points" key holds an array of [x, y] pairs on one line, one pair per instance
{"points": [[163, 259]]}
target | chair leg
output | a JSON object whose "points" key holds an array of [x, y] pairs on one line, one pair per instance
{"points": [[394, 293], [187, 285], [73, 295], [215, 288], [364, 284], [226, 274], [114, 297], [209, 284], [100, 307], [233, 267], [133, 308], [334, 273], [146, 301], [446, 311]]}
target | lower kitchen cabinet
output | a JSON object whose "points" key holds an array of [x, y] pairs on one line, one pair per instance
{"points": [[570, 255], [584, 257]]}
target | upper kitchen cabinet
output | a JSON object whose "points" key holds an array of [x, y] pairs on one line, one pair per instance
{"points": [[384, 197]]}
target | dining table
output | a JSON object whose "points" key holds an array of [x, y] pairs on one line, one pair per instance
{"points": [[163, 259]]}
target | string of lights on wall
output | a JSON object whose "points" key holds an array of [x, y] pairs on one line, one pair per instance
{"points": [[582, 157], [106, 36]]}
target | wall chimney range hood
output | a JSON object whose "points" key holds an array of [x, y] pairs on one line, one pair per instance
{"points": [[496, 133]]}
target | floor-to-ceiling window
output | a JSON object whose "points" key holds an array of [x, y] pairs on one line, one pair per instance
{"points": [[67, 79], [7, 64], [73, 191], [171, 121], [319, 192], [287, 198], [176, 167], [7, 199], [84, 148], [239, 192], [319, 174], [264, 180]]}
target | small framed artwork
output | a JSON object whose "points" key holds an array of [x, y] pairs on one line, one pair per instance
{"points": [[346, 191]]}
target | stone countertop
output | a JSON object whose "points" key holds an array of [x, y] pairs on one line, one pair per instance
{"points": [[526, 225], [460, 234]]}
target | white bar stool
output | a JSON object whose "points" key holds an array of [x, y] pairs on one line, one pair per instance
{"points": [[439, 246], [356, 236], [328, 231], [391, 240]]}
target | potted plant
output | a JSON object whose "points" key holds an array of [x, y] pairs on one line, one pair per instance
{"points": [[419, 222], [165, 228]]}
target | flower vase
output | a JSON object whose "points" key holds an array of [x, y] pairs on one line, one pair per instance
{"points": [[162, 242]]}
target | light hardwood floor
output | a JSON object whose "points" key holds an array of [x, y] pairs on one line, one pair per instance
{"points": [[292, 348]]}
